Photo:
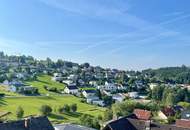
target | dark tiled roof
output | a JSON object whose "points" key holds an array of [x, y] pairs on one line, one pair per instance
{"points": [[33, 123], [124, 124], [71, 87], [135, 124], [71, 127], [90, 91], [142, 114]]}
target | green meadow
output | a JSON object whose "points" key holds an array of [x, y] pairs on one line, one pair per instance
{"points": [[45, 80], [31, 106]]}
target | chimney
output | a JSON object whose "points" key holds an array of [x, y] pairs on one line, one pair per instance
{"points": [[27, 122]]}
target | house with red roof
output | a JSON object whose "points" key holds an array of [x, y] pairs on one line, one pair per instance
{"points": [[142, 114]]}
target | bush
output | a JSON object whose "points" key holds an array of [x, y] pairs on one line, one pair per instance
{"points": [[171, 119], [66, 108], [73, 107], [45, 110], [19, 112]]}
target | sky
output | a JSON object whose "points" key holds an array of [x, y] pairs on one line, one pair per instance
{"points": [[122, 34]]}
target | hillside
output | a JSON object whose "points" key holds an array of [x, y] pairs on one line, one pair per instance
{"points": [[170, 74], [45, 80], [31, 106]]}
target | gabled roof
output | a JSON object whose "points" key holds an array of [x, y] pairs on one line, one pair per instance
{"points": [[71, 127], [121, 124], [71, 87], [183, 123], [33, 123], [90, 91], [142, 114], [126, 123]]}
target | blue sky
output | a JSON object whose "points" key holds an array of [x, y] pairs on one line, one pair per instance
{"points": [[123, 34]]}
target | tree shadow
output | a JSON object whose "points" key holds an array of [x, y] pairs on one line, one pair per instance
{"points": [[43, 82], [56, 116], [2, 102], [73, 114]]}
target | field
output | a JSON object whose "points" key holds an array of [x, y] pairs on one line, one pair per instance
{"points": [[31, 106], [45, 80]]}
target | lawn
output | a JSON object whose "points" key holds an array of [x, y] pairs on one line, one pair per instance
{"points": [[31, 106], [45, 80]]}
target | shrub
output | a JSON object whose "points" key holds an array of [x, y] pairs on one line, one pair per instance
{"points": [[19, 112], [73, 107], [45, 110]]}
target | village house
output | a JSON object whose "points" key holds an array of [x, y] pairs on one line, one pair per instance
{"points": [[14, 85], [141, 114], [162, 116], [68, 82], [71, 127], [141, 120], [57, 77], [31, 123], [81, 82], [91, 97], [99, 75], [89, 93], [108, 86], [73, 77], [131, 123], [71, 89], [93, 83], [133, 95], [98, 102], [118, 97]]}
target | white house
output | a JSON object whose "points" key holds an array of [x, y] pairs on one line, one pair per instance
{"points": [[108, 86], [91, 99], [118, 97], [13, 85], [59, 79], [162, 116], [71, 89], [57, 75], [72, 77], [68, 82], [133, 94], [98, 102], [89, 93], [93, 83]]}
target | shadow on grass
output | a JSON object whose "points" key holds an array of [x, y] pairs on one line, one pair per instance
{"points": [[56, 116], [73, 114], [2, 102], [47, 98], [43, 82]]}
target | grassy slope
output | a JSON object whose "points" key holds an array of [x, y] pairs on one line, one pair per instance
{"points": [[31, 106], [45, 80]]}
